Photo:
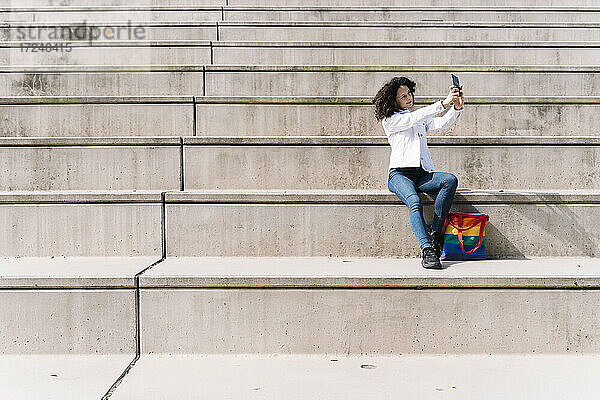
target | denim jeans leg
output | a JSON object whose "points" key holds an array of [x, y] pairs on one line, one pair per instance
{"points": [[445, 185], [406, 191]]}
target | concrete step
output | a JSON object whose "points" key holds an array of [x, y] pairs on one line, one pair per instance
{"points": [[60, 377], [272, 80], [130, 80], [45, 224], [79, 305], [353, 116], [369, 306], [96, 116], [91, 14], [300, 30], [113, 163], [107, 52], [404, 30], [279, 162], [296, 377], [408, 3], [78, 14], [407, 52], [119, 30], [173, 52], [148, 116], [362, 162], [371, 223], [540, 13], [364, 80], [111, 3]]}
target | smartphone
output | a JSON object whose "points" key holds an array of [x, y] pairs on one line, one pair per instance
{"points": [[456, 83]]}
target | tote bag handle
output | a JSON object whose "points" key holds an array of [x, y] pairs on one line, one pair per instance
{"points": [[480, 219]]}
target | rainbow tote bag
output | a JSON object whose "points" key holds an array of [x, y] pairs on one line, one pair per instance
{"points": [[464, 237]]}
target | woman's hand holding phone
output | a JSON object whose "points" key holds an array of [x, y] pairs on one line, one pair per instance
{"points": [[459, 101], [453, 97]]}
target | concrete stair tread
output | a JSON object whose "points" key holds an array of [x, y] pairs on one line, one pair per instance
{"points": [[314, 44], [295, 68], [292, 377], [290, 8], [358, 100], [292, 23], [59, 377], [311, 272], [80, 196], [71, 272], [499, 196], [435, 140], [394, 43]]}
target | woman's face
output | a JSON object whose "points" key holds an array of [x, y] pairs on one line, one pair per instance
{"points": [[404, 97]]}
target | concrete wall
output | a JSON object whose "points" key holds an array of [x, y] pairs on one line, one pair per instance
{"points": [[348, 81], [109, 83], [366, 167], [96, 120], [372, 230], [90, 168], [67, 321], [372, 55], [369, 321], [358, 120], [44, 230]]}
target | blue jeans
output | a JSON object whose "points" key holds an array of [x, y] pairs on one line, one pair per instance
{"points": [[407, 182]]}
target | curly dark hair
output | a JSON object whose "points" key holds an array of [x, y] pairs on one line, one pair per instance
{"points": [[385, 100]]}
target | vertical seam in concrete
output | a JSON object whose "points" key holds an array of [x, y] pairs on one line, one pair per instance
{"points": [[138, 337], [195, 114], [181, 165], [218, 35], [223, 11], [212, 57], [163, 222]]}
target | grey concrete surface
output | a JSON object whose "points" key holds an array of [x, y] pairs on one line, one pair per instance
{"points": [[80, 229], [109, 52], [369, 321], [114, 14], [374, 224], [432, 80], [90, 168], [315, 272], [553, 377], [264, 119], [498, 164], [408, 3], [152, 30], [107, 3], [418, 31], [107, 82], [443, 13], [59, 377], [67, 321], [71, 272], [388, 53], [97, 120]]}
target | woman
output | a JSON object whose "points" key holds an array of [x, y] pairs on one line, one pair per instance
{"points": [[411, 168]]}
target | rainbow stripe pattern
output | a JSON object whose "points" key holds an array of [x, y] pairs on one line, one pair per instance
{"points": [[464, 237]]}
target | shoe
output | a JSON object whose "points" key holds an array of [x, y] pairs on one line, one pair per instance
{"points": [[437, 241], [430, 260]]}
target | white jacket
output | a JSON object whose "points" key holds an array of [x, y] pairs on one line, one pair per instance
{"points": [[406, 133]]}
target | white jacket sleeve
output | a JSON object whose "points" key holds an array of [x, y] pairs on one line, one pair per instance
{"points": [[403, 121], [443, 122]]}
